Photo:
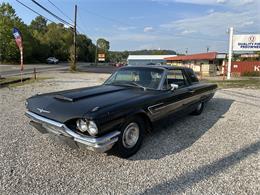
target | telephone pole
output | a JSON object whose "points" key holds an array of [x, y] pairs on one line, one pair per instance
{"points": [[230, 51], [74, 40]]}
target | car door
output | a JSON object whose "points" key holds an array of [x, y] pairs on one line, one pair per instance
{"points": [[172, 100]]}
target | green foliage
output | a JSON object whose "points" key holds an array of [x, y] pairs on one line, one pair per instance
{"points": [[41, 40], [103, 45]]}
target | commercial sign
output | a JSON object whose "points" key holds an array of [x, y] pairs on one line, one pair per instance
{"points": [[101, 57], [249, 42]]}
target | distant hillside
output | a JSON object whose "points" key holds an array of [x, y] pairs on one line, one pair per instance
{"points": [[121, 56]]}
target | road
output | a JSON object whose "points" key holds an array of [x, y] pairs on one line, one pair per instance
{"points": [[14, 70]]}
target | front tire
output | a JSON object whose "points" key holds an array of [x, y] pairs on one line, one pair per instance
{"points": [[130, 139]]}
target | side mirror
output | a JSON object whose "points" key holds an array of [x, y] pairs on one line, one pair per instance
{"points": [[174, 86]]}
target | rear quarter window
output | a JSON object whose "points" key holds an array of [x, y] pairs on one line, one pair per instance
{"points": [[191, 74]]}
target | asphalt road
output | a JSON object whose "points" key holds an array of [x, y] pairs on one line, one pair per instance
{"points": [[14, 70], [217, 152]]}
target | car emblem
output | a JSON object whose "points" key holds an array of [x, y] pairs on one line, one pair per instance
{"points": [[43, 111]]}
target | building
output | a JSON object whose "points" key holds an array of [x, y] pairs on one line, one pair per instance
{"points": [[147, 59], [207, 64]]}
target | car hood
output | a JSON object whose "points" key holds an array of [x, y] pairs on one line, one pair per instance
{"points": [[65, 105]]}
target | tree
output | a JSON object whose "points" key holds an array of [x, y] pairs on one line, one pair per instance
{"points": [[8, 48], [41, 39], [39, 24], [103, 46]]}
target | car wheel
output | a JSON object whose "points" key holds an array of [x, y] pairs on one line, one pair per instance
{"points": [[130, 139], [198, 109]]}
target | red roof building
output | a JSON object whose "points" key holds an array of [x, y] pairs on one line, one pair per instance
{"points": [[200, 56], [208, 64]]}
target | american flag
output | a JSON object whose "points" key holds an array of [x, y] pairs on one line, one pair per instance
{"points": [[19, 42]]}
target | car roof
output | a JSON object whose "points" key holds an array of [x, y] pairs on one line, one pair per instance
{"points": [[168, 67]]}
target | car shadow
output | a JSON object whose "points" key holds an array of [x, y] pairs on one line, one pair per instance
{"points": [[180, 184], [174, 134]]}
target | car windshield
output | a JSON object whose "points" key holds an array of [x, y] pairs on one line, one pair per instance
{"points": [[137, 77]]}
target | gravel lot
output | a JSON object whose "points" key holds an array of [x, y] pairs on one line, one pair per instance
{"points": [[217, 152]]}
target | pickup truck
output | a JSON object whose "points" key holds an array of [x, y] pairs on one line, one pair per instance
{"points": [[113, 117]]}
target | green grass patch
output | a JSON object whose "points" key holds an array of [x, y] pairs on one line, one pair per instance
{"points": [[253, 83]]}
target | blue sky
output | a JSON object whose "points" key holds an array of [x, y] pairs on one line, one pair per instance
{"points": [[154, 24]]}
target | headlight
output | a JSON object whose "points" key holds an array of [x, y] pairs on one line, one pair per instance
{"points": [[85, 125], [92, 128]]}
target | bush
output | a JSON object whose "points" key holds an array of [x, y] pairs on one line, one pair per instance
{"points": [[251, 74]]}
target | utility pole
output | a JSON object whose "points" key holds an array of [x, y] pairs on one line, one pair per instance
{"points": [[231, 31], [207, 49], [96, 54], [74, 40]]}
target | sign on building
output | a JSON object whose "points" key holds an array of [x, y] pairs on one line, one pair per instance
{"points": [[249, 42], [101, 57]]}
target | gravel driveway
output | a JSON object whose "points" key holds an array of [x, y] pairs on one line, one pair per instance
{"points": [[217, 152]]}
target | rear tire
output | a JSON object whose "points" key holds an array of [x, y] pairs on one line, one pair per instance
{"points": [[199, 109], [130, 139]]}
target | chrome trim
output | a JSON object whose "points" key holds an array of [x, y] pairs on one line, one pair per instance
{"points": [[179, 103], [99, 144]]}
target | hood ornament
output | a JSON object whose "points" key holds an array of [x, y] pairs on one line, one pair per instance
{"points": [[43, 111]]}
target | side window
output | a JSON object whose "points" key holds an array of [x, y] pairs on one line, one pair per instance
{"points": [[192, 76], [175, 77]]}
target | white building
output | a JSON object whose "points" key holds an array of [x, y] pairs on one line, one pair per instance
{"points": [[147, 59]]}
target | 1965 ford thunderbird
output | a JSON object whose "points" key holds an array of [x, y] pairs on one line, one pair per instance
{"points": [[115, 115]]}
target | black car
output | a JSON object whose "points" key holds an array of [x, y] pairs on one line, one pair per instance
{"points": [[115, 115]]}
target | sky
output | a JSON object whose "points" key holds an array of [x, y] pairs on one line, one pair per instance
{"points": [[178, 25]]}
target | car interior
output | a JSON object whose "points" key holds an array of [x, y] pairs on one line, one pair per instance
{"points": [[175, 77]]}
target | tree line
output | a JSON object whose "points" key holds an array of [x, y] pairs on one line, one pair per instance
{"points": [[42, 40]]}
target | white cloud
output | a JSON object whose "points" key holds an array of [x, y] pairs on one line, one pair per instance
{"points": [[214, 24], [210, 2], [140, 37], [148, 29], [185, 32], [125, 28]]}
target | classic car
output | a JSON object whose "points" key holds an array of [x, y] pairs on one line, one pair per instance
{"points": [[113, 117]]}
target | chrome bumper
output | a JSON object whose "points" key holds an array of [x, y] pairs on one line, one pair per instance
{"points": [[99, 144]]}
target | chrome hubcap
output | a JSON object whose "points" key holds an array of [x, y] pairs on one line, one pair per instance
{"points": [[131, 135], [199, 106]]}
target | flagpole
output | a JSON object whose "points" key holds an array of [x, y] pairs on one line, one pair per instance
{"points": [[21, 68]]}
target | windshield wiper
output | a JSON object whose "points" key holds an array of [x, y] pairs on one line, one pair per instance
{"points": [[137, 85], [132, 84]]}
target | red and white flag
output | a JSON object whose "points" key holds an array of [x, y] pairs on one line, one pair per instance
{"points": [[19, 42]]}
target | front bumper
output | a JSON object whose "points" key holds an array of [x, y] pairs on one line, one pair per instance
{"points": [[98, 144]]}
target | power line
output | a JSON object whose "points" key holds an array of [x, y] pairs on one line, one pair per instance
{"points": [[33, 11], [57, 17], [107, 18], [60, 11]]}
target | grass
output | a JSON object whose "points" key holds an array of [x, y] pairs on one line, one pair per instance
{"points": [[252, 83], [16, 81]]}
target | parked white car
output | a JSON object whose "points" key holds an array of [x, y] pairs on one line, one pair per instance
{"points": [[52, 60]]}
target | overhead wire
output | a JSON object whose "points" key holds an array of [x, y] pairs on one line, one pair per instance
{"points": [[60, 10], [34, 11], [54, 15]]}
